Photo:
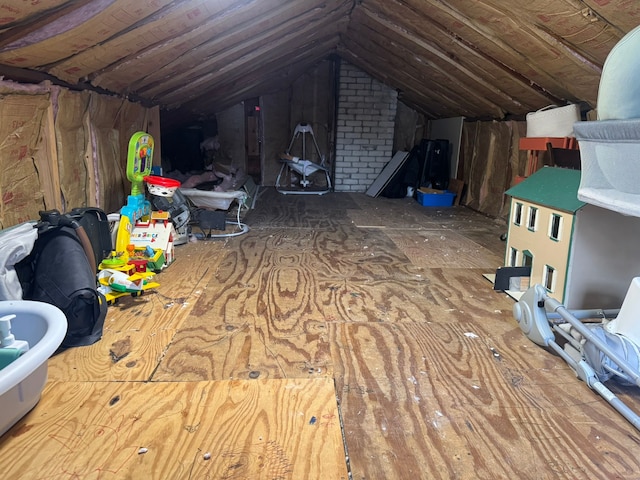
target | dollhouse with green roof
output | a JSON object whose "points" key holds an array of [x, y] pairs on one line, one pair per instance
{"points": [[584, 255]]}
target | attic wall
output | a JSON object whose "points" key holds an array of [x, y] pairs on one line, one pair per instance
{"points": [[182, 151], [73, 145], [231, 135], [25, 183], [363, 136], [61, 149], [369, 131], [312, 101], [489, 162], [276, 117], [365, 129], [309, 99], [65, 149], [410, 128]]}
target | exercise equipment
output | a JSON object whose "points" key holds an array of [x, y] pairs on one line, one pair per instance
{"points": [[597, 351], [301, 166]]}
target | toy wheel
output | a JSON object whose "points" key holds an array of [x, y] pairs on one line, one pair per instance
{"points": [[137, 294]]}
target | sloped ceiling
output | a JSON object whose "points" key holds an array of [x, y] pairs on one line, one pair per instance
{"points": [[476, 58]]}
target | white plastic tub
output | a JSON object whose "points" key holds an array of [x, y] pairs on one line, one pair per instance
{"points": [[214, 200], [44, 326]]}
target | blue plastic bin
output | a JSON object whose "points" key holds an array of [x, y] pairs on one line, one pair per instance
{"points": [[444, 199]]}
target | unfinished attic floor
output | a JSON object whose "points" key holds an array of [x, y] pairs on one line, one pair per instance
{"points": [[337, 323]]}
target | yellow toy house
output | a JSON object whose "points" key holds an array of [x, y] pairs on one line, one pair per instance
{"points": [[585, 256]]}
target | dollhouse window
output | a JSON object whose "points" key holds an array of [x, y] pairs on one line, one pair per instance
{"points": [[549, 277], [527, 258], [517, 214], [554, 227], [513, 257], [533, 219]]}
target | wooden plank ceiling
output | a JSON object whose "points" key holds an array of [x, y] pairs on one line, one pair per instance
{"points": [[480, 59]]}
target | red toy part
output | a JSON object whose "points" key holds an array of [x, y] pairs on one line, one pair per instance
{"points": [[140, 265], [161, 186], [161, 181]]}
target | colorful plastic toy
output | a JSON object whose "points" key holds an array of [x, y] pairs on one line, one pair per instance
{"points": [[115, 284], [128, 257], [139, 163]]}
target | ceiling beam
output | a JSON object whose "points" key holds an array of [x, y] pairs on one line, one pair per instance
{"points": [[432, 62], [239, 46], [307, 55], [288, 46]]}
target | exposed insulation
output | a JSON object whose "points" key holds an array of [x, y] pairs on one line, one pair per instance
{"points": [[490, 160], [113, 121], [77, 176], [482, 59], [20, 153]]}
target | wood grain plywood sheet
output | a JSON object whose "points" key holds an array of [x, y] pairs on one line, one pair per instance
{"points": [[444, 249], [265, 311], [207, 350], [343, 251], [489, 238], [434, 295], [453, 401], [404, 213], [299, 211], [118, 356], [285, 429], [138, 330], [372, 219], [295, 273], [407, 214], [260, 320]]}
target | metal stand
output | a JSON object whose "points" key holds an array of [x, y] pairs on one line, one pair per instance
{"points": [[595, 354], [302, 167]]}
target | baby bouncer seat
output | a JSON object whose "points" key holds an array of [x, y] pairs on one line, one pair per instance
{"points": [[300, 168]]}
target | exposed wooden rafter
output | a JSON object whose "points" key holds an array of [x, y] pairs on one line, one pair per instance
{"points": [[485, 59]]}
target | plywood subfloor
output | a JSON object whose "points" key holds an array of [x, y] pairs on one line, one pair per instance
{"points": [[424, 400], [137, 330], [191, 430], [377, 306]]}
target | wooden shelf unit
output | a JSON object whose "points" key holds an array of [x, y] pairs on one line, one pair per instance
{"points": [[535, 145]]}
